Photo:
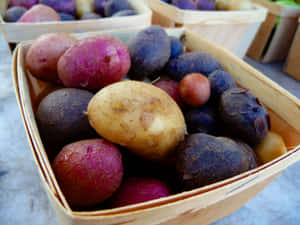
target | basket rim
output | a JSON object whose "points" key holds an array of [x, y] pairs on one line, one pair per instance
{"points": [[258, 14]]}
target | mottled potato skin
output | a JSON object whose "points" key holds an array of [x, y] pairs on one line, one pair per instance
{"points": [[43, 55], [139, 116]]}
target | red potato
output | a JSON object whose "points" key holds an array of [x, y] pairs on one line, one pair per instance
{"points": [[39, 13], [172, 88], [136, 190], [194, 89], [44, 53], [88, 171], [94, 62]]}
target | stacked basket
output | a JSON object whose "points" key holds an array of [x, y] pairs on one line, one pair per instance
{"points": [[233, 30]]}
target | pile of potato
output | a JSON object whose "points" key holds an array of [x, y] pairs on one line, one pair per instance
{"points": [[31, 11], [133, 122]]}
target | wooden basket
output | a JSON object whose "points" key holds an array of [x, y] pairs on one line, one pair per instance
{"points": [[16, 32], [292, 66], [233, 30], [272, 42], [199, 206]]}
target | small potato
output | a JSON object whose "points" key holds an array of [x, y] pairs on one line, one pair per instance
{"points": [[139, 116], [84, 6], [270, 148], [39, 13], [44, 53]]}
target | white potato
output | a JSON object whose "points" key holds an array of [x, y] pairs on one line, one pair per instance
{"points": [[138, 116]]}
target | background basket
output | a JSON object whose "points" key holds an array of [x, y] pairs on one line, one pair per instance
{"points": [[233, 30], [199, 206], [16, 32], [272, 42], [292, 66]]}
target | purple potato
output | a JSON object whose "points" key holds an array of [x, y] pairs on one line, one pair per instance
{"points": [[185, 4], [244, 117], [203, 159], [14, 13], [193, 62], [149, 52], [63, 6], [113, 6], [99, 6], [206, 4]]}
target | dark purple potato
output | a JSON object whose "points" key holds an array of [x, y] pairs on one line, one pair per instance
{"points": [[13, 14], [90, 16], [113, 6], [63, 6], [220, 81], [62, 119], [166, 1], [149, 52], [66, 17], [203, 159], [206, 4], [99, 6], [127, 12], [185, 4], [193, 62], [201, 120], [177, 47], [24, 3], [243, 116]]}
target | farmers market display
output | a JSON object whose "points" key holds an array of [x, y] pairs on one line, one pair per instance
{"points": [[30, 11], [136, 121]]}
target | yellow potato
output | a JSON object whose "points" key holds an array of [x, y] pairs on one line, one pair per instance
{"points": [[271, 147], [84, 6], [138, 116]]}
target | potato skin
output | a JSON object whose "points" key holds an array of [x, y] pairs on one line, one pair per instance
{"points": [[88, 171], [39, 13], [61, 117], [94, 62], [43, 55], [139, 116], [203, 159]]}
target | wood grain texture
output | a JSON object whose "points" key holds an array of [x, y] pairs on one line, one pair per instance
{"points": [[292, 65]]}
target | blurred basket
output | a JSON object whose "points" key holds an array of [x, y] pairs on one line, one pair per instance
{"points": [[199, 206], [233, 30], [272, 42], [292, 66], [16, 32]]}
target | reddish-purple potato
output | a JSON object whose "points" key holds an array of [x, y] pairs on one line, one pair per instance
{"points": [[172, 88], [136, 190], [24, 3], [44, 53], [94, 62], [39, 13], [88, 171]]}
